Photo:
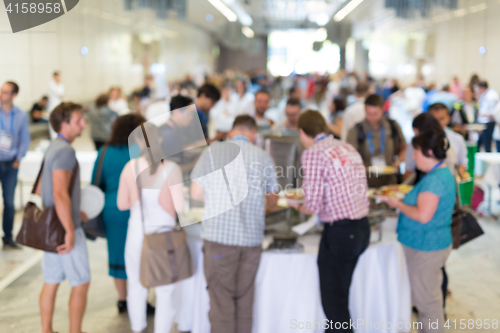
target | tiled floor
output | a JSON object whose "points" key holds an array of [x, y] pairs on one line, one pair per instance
{"points": [[474, 273], [473, 270]]}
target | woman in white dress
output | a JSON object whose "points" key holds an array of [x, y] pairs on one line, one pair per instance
{"points": [[158, 215]]}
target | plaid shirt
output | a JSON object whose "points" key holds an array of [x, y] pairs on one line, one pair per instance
{"points": [[334, 180], [243, 223]]}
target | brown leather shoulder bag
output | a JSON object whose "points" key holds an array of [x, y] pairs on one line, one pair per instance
{"points": [[41, 228]]}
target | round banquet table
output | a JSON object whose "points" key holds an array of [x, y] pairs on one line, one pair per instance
{"points": [[287, 288]]}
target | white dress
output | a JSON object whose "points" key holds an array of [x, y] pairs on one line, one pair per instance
{"points": [[156, 220]]}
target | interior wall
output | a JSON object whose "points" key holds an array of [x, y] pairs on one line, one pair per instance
{"points": [[458, 41], [243, 59], [441, 47], [106, 29]]}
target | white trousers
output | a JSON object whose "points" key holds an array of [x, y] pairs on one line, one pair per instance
{"points": [[137, 295]]}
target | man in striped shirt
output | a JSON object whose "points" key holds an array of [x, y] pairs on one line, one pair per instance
{"points": [[335, 188]]}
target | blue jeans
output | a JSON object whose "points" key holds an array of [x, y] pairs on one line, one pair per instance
{"points": [[486, 137], [8, 178]]}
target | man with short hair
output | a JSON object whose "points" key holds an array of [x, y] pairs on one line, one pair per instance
{"points": [[233, 239], [355, 113], [293, 93], [335, 189], [457, 142], [261, 104], [292, 111], [14, 143], [379, 141], [172, 132], [208, 95], [38, 110], [71, 261], [487, 100]]}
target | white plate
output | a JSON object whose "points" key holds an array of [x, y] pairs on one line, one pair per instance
{"points": [[476, 127], [292, 190], [295, 201], [92, 201]]}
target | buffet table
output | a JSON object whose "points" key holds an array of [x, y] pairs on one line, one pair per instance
{"points": [[287, 289]]}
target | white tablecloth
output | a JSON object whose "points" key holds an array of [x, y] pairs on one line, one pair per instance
{"points": [[287, 288], [30, 165]]}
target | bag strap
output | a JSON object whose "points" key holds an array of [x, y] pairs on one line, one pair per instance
{"points": [[394, 135], [37, 178], [361, 135], [100, 163], [166, 172], [73, 179], [171, 256], [139, 191], [71, 182]]}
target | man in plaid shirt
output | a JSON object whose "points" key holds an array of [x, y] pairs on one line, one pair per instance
{"points": [[335, 188], [233, 222]]}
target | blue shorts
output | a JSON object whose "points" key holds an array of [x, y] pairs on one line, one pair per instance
{"points": [[73, 265]]}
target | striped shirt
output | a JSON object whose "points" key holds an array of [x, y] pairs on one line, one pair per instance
{"points": [[334, 180]]}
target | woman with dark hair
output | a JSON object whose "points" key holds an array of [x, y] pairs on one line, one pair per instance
{"points": [[101, 118], [426, 122], [424, 226], [115, 221]]}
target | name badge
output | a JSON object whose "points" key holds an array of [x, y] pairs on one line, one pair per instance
{"points": [[378, 161], [5, 141]]}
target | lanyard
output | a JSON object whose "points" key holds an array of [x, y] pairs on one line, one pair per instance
{"points": [[382, 141], [59, 135], [11, 122], [324, 136], [435, 167], [240, 138]]}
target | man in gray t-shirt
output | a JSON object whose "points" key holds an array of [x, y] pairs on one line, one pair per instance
{"points": [[61, 156], [72, 261]]}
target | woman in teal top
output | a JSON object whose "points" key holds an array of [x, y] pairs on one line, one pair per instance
{"points": [[116, 221], [424, 226]]}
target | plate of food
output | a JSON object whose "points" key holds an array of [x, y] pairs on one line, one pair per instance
{"points": [[396, 191], [387, 170], [294, 195]]}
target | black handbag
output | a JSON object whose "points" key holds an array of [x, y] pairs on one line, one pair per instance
{"points": [[470, 229], [94, 228], [464, 226]]}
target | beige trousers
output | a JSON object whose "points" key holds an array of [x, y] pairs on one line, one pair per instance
{"points": [[426, 277], [230, 272]]}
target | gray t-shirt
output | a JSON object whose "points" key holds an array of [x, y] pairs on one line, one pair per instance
{"points": [[60, 156]]}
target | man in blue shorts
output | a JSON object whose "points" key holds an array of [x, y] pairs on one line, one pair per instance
{"points": [[71, 261]]}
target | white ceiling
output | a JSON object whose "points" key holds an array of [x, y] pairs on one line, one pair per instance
{"points": [[266, 14]]}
